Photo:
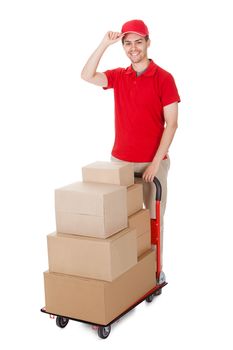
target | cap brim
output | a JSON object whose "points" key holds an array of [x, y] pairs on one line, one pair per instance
{"points": [[131, 32]]}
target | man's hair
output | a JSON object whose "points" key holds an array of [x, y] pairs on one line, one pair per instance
{"points": [[146, 38]]}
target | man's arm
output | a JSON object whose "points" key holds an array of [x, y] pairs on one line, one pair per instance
{"points": [[171, 119], [89, 70]]}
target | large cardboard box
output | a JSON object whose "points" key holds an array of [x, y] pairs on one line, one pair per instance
{"points": [[90, 209], [134, 198], [98, 258], [141, 222], [99, 301], [119, 173]]}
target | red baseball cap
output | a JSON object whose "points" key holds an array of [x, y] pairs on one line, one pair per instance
{"points": [[135, 26]]}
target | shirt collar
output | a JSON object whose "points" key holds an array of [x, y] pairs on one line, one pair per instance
{"points": [[151, 69]]}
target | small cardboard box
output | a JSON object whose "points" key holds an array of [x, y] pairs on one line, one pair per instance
{"points": [[90, 209], [141, 222], [99, 301], [103, 259], [134, 198], [119, 173]]}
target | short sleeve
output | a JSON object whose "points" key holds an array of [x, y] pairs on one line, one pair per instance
{"points": [[169, 92], [111, 77]]}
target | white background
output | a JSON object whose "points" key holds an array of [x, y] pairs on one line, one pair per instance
{"points": [[53, 123]]}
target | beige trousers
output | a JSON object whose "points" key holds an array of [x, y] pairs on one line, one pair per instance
{"points": [[149, 191]]}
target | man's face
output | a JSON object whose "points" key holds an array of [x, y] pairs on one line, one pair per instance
{"points": [[135, 47]]}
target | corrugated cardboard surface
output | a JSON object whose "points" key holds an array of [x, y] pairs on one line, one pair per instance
{"points": [[90, 209], [99, 301], [141, 222], [143, 243], [103, 259], [109, 172], [134, 198]]}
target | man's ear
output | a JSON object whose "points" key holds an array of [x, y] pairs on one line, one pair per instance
{"points": [[148, 43]]}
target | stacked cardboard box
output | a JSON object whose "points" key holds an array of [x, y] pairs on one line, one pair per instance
{"points": [[100, 257]]}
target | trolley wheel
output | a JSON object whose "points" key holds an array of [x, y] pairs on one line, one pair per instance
{"points": [[62, 321], [103, 332], [150, 298], [158, 292]]}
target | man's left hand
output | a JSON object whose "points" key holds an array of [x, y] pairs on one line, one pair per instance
{"points": [[150, 172]]}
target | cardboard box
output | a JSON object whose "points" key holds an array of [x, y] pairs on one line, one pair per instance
{"points": [[141, 222], [99, 301], [134, 198], [103, 259], [90, 209], [119, 173]]}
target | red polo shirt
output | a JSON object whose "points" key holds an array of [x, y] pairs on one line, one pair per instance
{"points": [[139, 102]]}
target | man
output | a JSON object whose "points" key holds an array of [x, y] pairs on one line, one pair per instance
{"points": [[146, 108]]}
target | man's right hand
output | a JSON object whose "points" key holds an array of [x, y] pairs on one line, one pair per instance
{"points": [[111, 38], [89, 70]]}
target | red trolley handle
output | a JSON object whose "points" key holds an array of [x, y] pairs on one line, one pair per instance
{"points": [[157, 185], [155, 223]]}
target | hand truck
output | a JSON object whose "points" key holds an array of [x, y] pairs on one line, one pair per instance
{"points": [[104, 330]]}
